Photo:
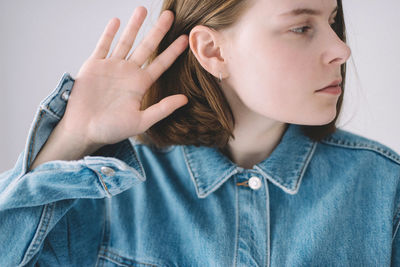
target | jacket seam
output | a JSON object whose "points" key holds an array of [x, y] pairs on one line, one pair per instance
{"points": [[102, 233], [395, 231], [33, 140], [134, 154], [396, 220], [106, 231], [48, 110], [125, 261], [38, 238], [104, 186], [65, 79], [290, 188], [196, 187], [235, 255], [268, 222], [204, 191], [376, 149], [397, 214]]}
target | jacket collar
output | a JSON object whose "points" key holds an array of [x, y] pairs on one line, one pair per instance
{"points": [[285, 167]]}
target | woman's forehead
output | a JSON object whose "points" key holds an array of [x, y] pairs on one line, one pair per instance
{"points": [[282, 8]]}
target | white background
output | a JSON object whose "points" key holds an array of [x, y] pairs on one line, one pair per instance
{"points": [[42, 39]]}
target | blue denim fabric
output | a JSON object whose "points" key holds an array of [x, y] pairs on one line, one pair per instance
{"points": [[329, 203]]}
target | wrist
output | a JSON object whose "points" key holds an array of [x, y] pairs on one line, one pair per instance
{"points": [[79, 143]]}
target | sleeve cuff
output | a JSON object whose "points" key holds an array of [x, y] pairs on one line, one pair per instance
{"points": [[49, 113], [115, 165]]}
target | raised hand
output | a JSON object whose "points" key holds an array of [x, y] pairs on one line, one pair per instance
{"points": [[104, 105]]}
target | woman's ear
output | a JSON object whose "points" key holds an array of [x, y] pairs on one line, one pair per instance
{"points": [[205, 44]]}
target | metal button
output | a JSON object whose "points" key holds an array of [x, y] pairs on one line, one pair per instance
{"points": [[255, 183], [107, 171], [65, 95]]}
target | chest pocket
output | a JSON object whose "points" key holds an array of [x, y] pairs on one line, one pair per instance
{"points": [[109, 258]]}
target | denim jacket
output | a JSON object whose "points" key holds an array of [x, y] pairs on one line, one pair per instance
{"points": [[330, 203]]}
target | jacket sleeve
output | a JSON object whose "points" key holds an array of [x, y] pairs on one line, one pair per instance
{"points": [[395, 258], [395, 261], [32, 202]]}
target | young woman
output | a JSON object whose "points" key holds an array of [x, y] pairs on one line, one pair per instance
{"points": [[212, 144]]}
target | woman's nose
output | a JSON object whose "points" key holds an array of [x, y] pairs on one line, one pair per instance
{"points": [[338, 51]]}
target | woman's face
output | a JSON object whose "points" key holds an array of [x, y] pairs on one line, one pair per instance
{"points": [[277, 60]]}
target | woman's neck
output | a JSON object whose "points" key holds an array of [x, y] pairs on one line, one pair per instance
{"points": [[253, 142]]}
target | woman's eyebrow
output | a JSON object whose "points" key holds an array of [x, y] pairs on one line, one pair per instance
{"points": [[305, 11]]}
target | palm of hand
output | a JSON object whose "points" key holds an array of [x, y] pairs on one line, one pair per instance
{"points": [[104, 104]]}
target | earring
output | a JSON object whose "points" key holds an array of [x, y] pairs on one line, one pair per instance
{"points": [[220, 77]]}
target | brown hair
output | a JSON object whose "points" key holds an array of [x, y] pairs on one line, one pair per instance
{"points": [[207, 119]]}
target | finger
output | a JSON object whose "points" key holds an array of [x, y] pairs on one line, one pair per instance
{"points": [[104, 43], [162, 109], [129, 35], [149, 44], [167, 57]]}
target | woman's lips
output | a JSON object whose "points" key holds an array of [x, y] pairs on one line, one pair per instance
{"points": [[334, 90]]}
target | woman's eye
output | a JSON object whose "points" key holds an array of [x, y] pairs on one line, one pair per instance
{"points": [[301, 30], [305, 29]]}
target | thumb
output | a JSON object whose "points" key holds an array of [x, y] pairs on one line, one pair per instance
{"points": [[161, 110]]}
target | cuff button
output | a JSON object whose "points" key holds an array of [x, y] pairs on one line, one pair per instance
{"points": [[107, 171], [65, 95]]}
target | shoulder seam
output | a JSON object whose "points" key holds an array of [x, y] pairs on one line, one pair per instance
{"points": [[357, 145]]}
